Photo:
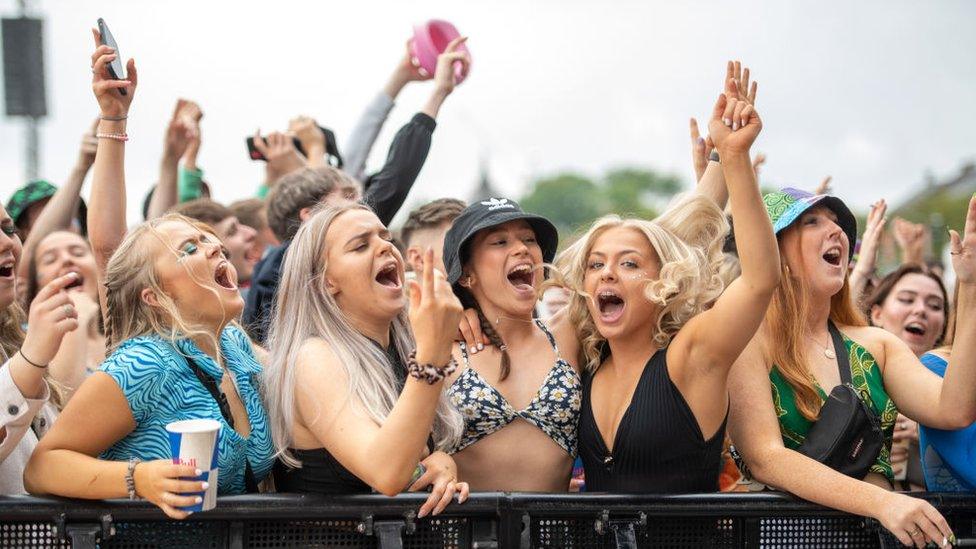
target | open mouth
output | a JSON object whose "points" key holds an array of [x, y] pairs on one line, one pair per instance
{"points": [[222, 276], [389, 276], [916, 328], [7, 269], [832, 256], [610, 304], [522, 277]]}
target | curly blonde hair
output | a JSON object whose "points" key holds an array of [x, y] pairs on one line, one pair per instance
{"points": [[687, 239]]}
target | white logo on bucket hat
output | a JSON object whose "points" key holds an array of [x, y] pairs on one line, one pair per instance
{"points": [[497, 204]]}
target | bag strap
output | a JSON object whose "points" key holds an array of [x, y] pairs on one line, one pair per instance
{"points": [[250, 484], [843, 357]]}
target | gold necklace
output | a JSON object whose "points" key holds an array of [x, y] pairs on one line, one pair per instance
{"points": [[828, 350]]}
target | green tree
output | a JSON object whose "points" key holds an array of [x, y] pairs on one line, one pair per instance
{"points": [[569, 200], [638, 192]]}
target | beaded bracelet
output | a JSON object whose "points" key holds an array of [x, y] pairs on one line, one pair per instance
{"points": [[428, 372], [120, 137], [130, 479]]}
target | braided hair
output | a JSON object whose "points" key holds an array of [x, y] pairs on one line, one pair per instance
{"points": [[488, 329]]}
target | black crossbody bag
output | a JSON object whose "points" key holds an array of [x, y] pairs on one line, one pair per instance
{"points": [[250, 484], [847, 437]]}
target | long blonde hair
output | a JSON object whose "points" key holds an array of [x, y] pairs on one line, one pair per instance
{"points": [[131, 270], [305, 309], [687, 239], [785, 327]]}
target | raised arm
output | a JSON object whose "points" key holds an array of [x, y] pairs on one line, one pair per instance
{"points": [[948, 403], [383, 456], [367, 128], [740, 310], [755, 432], [868, 256], [106, 213], [61, 210], [912, 239], [181, 130]]}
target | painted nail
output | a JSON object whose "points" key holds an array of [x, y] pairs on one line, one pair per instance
{"points": [[198, 472], [481, 346], [727, 122], [422, 514], [198, 499], [952, 539], [205, 485], [701, 141], [735, 126]]}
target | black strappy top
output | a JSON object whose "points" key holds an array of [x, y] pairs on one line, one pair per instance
{"points": [[659, 447]]}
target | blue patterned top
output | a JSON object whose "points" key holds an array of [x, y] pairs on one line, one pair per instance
{"points": [[555, 409], [161, 388], [948, 458]]}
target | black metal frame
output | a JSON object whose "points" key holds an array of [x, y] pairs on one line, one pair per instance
{"points": [[486, 520]]}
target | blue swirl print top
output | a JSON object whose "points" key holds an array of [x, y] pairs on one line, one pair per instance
{"points": [[555, 409], [161, 388]]}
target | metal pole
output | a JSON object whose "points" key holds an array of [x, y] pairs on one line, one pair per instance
{"points": [[31, 156]]}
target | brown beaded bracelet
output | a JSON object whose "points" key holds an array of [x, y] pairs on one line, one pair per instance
{"points": [[428, 372]]}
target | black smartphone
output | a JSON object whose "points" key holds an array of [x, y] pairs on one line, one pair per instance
{"points": [[115, 69], [331, 148]]}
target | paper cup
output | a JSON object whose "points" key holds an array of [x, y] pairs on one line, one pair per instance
{"points": [[194, 442]]}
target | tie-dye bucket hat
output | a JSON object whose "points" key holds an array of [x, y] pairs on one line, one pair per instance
{"points": [[786, 205]]}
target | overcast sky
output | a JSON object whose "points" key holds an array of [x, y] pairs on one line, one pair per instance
{"points": [[873, 93]]}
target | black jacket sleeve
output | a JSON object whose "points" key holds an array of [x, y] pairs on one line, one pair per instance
{"points": [[387, 190]]}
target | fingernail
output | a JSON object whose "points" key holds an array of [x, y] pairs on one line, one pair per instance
{"points": [[952, 537], [727, 121], [198, 472], [422, 514], [735, 126], [701, 140], [481, 346], [205, 485], [198, 499]]}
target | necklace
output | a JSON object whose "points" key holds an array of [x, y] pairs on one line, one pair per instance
{"points": [[828, 350]]}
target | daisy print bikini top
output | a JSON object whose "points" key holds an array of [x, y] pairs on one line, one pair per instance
{"points": [[555, 408]]}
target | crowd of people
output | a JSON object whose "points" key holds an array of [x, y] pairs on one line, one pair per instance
{"points": [[340, 357]]}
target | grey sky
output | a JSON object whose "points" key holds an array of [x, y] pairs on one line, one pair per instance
{"points": [[874, 93]]}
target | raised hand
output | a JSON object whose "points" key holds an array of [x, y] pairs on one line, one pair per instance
{"points": [[161, 482], [451, 65], [757, 163], [963, 248], [281, 154], [183, 128], [409, 69], [824, 186], [735, 71], [313, 141], [735, 124], [51, 315], [435, 313], [912, 238], [110, 101], [701, 147], [88, 146]]}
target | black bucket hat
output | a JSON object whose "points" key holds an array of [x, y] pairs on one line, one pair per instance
{"points": [[489, 213]]}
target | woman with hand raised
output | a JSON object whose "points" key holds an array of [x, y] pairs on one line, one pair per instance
{"points": [[354, 389]]}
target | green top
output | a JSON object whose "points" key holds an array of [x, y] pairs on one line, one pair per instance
{"points": [[190, 184], [866, 378]]}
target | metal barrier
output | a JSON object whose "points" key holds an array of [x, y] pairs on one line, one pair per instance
{"points": [[487, 520]]}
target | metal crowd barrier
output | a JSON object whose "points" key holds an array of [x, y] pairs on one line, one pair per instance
{"points": [[486, 520]]}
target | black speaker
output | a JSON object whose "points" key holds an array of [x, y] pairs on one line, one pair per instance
{"points": [[23, 67]]}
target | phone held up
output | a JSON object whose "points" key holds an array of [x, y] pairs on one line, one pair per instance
{"points": [[331, 148], [115, 69]]}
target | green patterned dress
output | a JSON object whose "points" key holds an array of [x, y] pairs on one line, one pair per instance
{"points": [[866, 378]]}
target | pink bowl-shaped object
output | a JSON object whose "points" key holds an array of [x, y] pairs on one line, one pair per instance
{"points": [[430, 40]]}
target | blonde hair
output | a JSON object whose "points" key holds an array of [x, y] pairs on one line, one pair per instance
{"points": [[131, 270], [305, 309], [785, 329], [687, 239]]}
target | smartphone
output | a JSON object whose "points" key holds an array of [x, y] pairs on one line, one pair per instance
{"points": [[331, 148], [115, 69]]}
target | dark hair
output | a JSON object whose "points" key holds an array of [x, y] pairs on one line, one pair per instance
{"points": [[468, 300], [884, 287], [250, 212], [300, 189], [431, 215], [203, 210]]}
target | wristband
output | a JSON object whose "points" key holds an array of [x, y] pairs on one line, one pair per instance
{"points": [[120, 137], [428, 372], [31, 362], [119, 118], [130, 479]]}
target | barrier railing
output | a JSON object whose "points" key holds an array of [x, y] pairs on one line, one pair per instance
{"points": [[486, 520]]}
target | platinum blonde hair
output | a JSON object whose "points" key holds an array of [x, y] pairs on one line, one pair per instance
{"points": [[305, 309], [687, 239], [131, 270]]}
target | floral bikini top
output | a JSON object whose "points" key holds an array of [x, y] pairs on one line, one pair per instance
{"points": [[555, 408]]}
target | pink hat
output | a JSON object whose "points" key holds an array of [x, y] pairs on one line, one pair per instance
{"points": [[430, 39]]}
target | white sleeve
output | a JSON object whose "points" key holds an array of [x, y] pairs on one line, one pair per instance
{"points": [[364, 135], [16, 411]]}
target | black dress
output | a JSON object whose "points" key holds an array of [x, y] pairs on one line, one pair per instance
{"points": [[659, 447], [321, 472]]}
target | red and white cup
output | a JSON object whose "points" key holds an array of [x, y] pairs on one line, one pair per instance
{"points": [[194, 442]]}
